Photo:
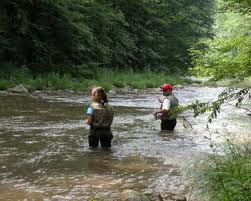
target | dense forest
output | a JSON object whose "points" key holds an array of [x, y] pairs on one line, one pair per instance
{"points": [[77, 38], [71, 36]]}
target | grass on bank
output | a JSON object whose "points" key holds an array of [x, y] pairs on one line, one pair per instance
{"points": [[245, 83], [105, 78], [227, 177]]}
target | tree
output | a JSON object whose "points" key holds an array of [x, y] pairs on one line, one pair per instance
{"points": [[225, 56], [241, 2], [70, 36]]}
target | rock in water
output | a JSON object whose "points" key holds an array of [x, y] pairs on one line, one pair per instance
{"points": [[18, 89]]}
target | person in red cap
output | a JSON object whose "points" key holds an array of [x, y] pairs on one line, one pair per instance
{"points": [[168, 102]]}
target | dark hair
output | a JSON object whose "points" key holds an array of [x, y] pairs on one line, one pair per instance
{"points": [[103, 94]]}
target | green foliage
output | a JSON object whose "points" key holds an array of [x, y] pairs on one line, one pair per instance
{"points": [[35, 84], [51, 81], [213, 108], [55, 81], [227, 55], [106, 85], [11, 75], [226, 178], [79, 36], [241, 2], [138, 84], [4, 84], [9, 70], [163, 30], [224, 58], [141, 80], [106, 79]]}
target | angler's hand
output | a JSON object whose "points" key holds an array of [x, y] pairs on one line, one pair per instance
{"points": [[155, 114], [160, 99], [88, 121]]}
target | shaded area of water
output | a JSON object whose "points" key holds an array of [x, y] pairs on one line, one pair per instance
{"points": [[44, 153]]}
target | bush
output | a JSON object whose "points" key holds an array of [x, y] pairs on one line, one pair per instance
{"points": [[56, 81], [15, 74], [106, 85], [4, 84], [104, 77], [228, 177], [118, 83], [138, 84], [35, 84]]}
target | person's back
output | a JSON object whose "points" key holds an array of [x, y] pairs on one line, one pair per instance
{"points": [[100, 118], [102, 115]]}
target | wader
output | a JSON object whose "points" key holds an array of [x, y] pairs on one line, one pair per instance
{"points": [[168, 120], [100, 129], [104, 135]]}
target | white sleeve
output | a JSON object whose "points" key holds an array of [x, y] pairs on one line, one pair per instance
{"points": [[166, 104]]}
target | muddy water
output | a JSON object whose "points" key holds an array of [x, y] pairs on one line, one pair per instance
{"points": [[44, 153]]}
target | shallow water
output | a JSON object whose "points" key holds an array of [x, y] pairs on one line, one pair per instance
{"points": [[44, 153]]}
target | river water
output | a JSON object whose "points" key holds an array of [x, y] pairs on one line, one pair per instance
{"points": [[44, 153]]}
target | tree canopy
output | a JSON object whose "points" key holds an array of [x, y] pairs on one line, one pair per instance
{"points": [[228, 53], [72, 35]]}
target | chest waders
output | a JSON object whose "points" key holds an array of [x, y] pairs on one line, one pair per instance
{"points": [[168, 119], [100, 129]]}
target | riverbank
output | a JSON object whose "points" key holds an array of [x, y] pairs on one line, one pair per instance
{"points": [[106, 78], [223, 176], [245, 83]]}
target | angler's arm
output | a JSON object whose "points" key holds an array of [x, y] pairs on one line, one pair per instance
{"points": [[160, 111], [164, 108], [89, 120], [89, 113]]}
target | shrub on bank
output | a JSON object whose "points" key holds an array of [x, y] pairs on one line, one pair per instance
{"points": [[137, 80], [228, 177], [105, 78], [34, 84], [4, 84]]}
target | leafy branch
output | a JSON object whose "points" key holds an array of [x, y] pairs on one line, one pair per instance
{"points": [[214, 108]]}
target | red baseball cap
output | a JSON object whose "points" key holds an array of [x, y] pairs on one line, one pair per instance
{"points": [[166, 87]]}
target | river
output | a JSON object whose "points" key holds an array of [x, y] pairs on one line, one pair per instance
{"points": [[44, 154]]}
